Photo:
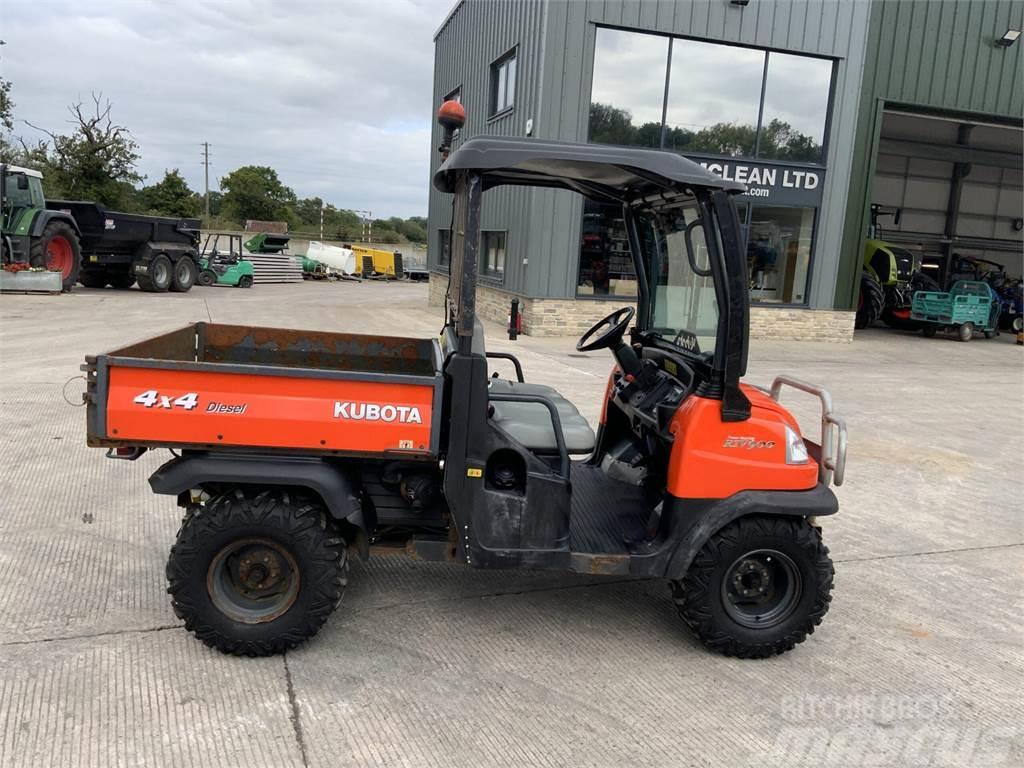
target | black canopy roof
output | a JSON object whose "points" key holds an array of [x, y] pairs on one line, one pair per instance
{"points": [[617, 173]]}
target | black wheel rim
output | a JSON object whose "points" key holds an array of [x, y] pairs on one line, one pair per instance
{"points": [[253, 580], [761, 589]]}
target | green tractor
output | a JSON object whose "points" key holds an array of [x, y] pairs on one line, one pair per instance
{"points": [[221, 262], [32, 234], [890, 277]]}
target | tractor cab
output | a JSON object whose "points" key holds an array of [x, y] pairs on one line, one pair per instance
{"points": [[684, 449]]}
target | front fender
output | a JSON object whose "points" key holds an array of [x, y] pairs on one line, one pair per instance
{"points": [[328, 481], [708, 516]]}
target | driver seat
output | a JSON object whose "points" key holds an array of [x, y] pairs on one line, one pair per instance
{"points": [[530, 423]]}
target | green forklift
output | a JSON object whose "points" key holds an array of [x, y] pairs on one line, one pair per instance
{"points": [[221, 262]]}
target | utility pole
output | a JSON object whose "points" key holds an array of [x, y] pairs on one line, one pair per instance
{"points": [[206, 173], [321, 221]]}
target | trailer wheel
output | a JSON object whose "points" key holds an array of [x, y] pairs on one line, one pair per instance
{"points": [[256, 575], [207, 278], [245, 281], [965, 332], [159, 276], [185, 272], [93, 278], [58, 249], [758, 587]]}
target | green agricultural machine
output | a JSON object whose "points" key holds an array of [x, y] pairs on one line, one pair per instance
{"points": [[890, 277], [222, 262]]}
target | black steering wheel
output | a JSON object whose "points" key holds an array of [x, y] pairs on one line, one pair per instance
{"points": [[617, 322]]}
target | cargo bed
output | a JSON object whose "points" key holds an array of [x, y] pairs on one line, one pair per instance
{"points": [[213, 386]]}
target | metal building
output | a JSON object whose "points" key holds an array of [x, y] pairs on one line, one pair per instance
{"points": [[784, 95]]}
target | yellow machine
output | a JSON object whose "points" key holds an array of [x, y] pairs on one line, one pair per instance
{"points": [[374, 262]]}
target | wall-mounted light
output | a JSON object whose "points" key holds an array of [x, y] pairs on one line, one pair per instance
{"points": [[1009, 38], [740, 3]]}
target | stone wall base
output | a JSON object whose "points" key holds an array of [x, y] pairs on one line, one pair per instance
{"points": [[571, 317]]}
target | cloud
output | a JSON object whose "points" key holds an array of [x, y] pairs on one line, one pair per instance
{"points": [[335, 96]]}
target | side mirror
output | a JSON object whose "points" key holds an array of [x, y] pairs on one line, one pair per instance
{"points": [[22, 181]]}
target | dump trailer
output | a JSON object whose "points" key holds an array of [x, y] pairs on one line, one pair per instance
{"points": [[297, 449], [119, 249]]}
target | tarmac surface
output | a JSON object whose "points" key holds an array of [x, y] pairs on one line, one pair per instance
{"points": [[919, 662]]}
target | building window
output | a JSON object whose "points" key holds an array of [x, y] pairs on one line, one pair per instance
{"points": [[779, 253], [795, 106], [456, 96], [606, 264], [503, 83], [493, 254], [627, 99], [708, 98], [713, 96], [444, 250]]}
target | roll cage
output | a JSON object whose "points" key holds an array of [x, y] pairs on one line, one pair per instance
{"points": [[645, 183]]}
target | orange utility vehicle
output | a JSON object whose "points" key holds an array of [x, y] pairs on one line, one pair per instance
{"points": [[297, 447]]}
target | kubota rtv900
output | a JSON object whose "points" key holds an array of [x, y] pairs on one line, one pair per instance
{"points": [[298, 447]]}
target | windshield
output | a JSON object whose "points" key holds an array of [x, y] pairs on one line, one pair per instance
{"points": [[31, 196], [684, 308]]}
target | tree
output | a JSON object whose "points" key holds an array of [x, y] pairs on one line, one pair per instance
{"points": [[610, 125], [96, 161], [255, 192], [171, 197], [6, 105]]}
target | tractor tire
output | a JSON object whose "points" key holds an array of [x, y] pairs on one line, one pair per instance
{"points": [[245, 281], [870, 302], [185, 273], [93, 278], [919, 281], [255, 575], [758, 587], [207, 278], [122, 280], [159, 277], [58, 248], [965, 332]]}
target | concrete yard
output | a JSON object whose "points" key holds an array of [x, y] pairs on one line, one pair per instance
{"points": [[919, 662]]}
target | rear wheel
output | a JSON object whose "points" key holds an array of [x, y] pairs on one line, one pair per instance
{"points": [[185, 272], [93, 278], [206, 278], [256, 575], [245, 281], [58, 249], [159, 275], [758, 587], [965, 332]]}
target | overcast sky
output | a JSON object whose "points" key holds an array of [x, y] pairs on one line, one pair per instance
{"points": [[335, 95]]}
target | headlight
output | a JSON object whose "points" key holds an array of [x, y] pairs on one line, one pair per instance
{"points": [[796, 451]]}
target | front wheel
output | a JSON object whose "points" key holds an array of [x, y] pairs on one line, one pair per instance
{"points": [[965, 332], [245, 281], [758, 587], [256, 575]]}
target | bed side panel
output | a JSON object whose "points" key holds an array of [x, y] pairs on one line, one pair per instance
{"points": [[198, 407]]}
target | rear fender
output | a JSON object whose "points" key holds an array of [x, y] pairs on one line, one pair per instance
{"points": [[328, 481], [700, 519], [44, 217]]}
